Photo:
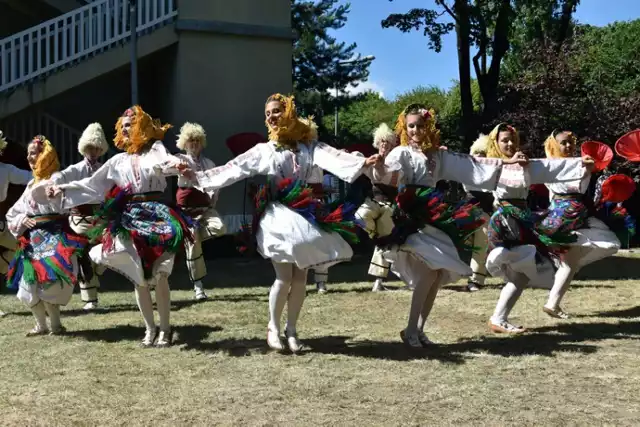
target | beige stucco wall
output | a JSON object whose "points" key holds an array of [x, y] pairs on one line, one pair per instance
{"points": [[222, 80]]}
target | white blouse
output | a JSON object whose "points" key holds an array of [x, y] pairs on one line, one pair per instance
{"points": [[516, 180], [141, 173], [26, 206], [10, 174], [280, 164], [80, 170], [407, 165]]}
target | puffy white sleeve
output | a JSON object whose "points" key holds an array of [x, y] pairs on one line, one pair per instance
{"points": [[392, 171], [18, 176], [257, 161], [549, 171], [161, 161], [91, 190], [346, 166], [478, 172], [16, 215]]}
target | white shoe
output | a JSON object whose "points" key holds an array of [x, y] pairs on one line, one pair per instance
{"points": [[90, 306], [2, 313], [164, 339], [60, 330], [322, 288], [273, 340], [149, 337], [294, 343], [505, 327], [37, 331], [200, 295]]}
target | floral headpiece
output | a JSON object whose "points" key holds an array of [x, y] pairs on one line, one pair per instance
{"points": [[143, 131], [432, 133], [290, 129], [493, 150], [47, 162]]}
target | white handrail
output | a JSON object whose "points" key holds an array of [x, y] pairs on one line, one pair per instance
{"points": [[75, 35], [63, 137]]}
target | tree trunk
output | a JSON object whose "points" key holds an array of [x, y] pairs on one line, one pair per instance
{"points": [[461, 9]]}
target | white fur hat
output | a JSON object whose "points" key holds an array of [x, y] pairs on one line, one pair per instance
{"points": [[191, 131], [3, 142], [384, 133], [93, 136], [480, 145]]}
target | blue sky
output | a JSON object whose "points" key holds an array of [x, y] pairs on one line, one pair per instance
{"points": [[404, 61]]}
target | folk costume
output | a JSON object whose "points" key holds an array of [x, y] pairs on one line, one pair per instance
{"points": [[516, 250], [428, 233], [197, 204], [484, 199], [141, 233], [292, 229], [569, 212], [92, 145], [44, 269], [9, 174]]}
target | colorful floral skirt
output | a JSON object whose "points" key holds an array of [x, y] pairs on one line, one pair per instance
{"points": [[418, 206], [291, 226], [152, 226], [46, 255], [564, 216]]}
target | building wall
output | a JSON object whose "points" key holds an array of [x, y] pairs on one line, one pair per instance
{"points": [[228, 61]]}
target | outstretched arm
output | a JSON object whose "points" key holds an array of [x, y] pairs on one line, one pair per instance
{"points": [[18, 176], [256, 161], [549, 171], [478, 172], [346, 166]]}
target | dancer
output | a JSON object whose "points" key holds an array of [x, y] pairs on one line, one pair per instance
{"points": [[291, 231], [45, 266], [141, 233], [517, 251], [10, 176], [423, 247], [569, 213], [197, 204], [484, 199], [377, 209], [92, 145]]}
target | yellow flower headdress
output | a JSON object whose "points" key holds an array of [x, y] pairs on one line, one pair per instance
{"points": [[432, 133], [48, 162], [291, 129], [552, 146], [143, 130], [493, 149]]}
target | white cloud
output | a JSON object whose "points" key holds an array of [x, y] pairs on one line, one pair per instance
{"points": [[361, 88]]}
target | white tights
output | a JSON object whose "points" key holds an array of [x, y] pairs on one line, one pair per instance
{"points": [[424, 295], [563, 277], [289, 287], [40, 312], [508, 297], [163, 302]]}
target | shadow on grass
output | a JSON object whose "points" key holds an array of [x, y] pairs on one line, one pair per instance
{"points": [[544, 341], [628, 313], [135, 333]]}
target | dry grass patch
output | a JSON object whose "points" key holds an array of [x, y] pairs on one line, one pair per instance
{"points": [[356, 372]]}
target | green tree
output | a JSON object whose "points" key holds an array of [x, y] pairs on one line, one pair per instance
{"points": [[487, 26]]}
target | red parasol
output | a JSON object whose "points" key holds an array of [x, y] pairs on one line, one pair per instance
{"points": [[601, 154], [628, 146], [242, 142], [617, 188]]}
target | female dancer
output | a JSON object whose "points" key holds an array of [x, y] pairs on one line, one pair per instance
{"points": [[290, 231], [200, 206], [141, 233], [517, 251], [423, 247], [45, 266], [569, 213], [92, 145]]}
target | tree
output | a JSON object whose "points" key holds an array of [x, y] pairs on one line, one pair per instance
{"points": [[487, 25], [316, 55]]}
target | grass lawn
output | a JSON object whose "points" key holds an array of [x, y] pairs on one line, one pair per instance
{"points": [[584, 371]]}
